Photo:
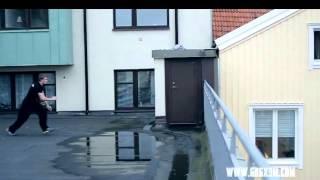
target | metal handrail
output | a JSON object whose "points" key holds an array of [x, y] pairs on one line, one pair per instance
{"points": [[252, 150], [217, 105]]}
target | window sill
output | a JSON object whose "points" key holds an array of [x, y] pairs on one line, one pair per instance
{"points": [[24, 30], [315, 67], [140, 28], [285, 162], [134, 110], [315, 64]]}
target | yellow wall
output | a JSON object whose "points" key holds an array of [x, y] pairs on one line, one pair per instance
{"points": [[273, 67]]}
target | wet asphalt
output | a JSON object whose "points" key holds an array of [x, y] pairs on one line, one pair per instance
{"points": [[177, 153]]}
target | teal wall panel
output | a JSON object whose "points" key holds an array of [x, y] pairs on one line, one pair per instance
{"points": [[24, 48], [8, 49], [52, 46], [54, 35], [65, 37], [41, 49]]}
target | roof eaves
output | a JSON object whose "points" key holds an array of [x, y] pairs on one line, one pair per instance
{"points": [[253, 27]]}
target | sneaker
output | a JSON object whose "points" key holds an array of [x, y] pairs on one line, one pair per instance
{"points": [[10, 133], [49, 130]]}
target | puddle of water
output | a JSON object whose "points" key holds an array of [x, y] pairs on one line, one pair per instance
{"points": [[180, 167], [121, 149], [120, 154]]}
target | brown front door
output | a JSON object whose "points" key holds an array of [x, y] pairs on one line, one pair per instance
{"points": [[183, 91]]}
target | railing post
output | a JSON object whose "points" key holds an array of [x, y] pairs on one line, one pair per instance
{"points": [[249, 161], [233, 143], [217, 111], [249, 166], [224, 123]]}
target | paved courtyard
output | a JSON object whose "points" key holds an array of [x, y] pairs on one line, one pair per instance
{"points": [[180, 152]]}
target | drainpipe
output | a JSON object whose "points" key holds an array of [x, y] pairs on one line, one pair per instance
{"points": [[214, 45], [176, 28], [86, 60]]}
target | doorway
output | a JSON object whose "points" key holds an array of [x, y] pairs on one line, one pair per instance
{"points": [[183, 91]]}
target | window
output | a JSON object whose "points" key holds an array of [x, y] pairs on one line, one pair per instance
{"points": [[277, 132], [50, 88], [12, 19], [125, 89], [141, 18], [123, 18], [22, 85], [314, 45], [126, 146], [146, 89], [134, 89], [15, 86], [5, 92]]}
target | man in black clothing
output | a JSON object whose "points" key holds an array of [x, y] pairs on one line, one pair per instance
{"points": [[34, 102]]}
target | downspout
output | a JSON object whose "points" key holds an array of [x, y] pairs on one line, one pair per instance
{"points": [[214, 45], [86, 61], [176, 28]]}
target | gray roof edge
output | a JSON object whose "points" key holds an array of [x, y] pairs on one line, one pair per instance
{"points": [[184, 53]]}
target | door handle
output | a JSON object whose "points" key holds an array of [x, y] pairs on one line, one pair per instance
{"points": [[174, 85]]}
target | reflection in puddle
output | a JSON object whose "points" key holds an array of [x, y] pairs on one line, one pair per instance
{"points": [[180, 167], [121, 149]]}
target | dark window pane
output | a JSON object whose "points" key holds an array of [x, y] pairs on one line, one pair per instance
{"points": [[146, 88], [286, 133], [5, 92], [51, 77], [125, 95], [125, 77], [23, 83], [51, 91], [317, 44], [123, 17], [39, 18], [286, 147], [15, 18], [265, 146], [1, 18], [152, 17]]}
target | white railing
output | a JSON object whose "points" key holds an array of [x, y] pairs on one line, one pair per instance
{"points": [[226, 137]]}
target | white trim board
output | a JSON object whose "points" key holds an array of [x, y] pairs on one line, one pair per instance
{"points": [[253, 27]]}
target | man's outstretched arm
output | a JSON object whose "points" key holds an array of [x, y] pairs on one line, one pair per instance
{"points": [[44, 98]]}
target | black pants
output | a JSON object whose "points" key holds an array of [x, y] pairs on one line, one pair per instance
{"points": [[24, 113]]}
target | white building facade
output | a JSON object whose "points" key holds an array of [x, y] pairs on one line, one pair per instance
{"points": [[120, 44], [114, 47]]}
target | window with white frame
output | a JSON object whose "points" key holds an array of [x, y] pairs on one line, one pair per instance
{"points": [[277, 132], [314, 45], [141, 18]]}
